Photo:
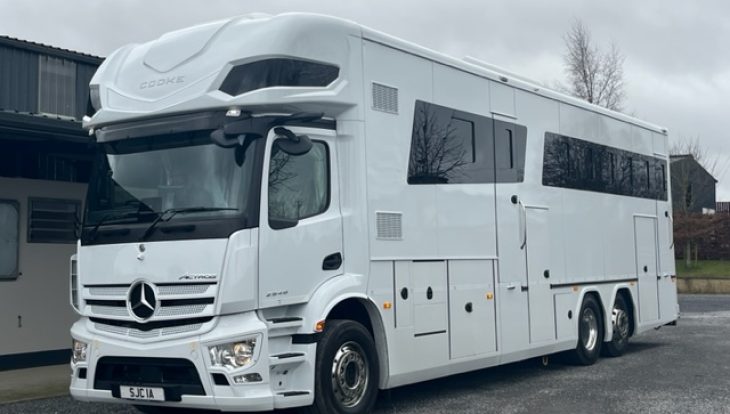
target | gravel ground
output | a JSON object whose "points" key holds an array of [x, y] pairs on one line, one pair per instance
{"points": [[683, 369]]}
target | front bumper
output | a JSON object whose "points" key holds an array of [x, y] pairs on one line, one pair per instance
{"points": [[253, 396]]}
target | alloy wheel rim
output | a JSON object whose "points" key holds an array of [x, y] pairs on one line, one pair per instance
{"points": [[350, 374], [589, 329]]}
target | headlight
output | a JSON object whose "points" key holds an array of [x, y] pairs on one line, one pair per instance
{"points": [[233, 355], [78, 350]]}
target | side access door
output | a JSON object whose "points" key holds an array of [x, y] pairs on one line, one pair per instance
{"points": [[645, 235], [300, 231]]}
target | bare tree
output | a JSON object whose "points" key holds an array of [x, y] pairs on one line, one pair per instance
{"points": [[593, 74], [689, 184]]}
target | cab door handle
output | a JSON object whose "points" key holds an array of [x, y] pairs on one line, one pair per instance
{"points": [[332, 262]]}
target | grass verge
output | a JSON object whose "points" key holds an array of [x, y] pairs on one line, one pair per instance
{"points": [[704, 268]]}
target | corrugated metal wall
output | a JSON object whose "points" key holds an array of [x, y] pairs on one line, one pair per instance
{"points": [[19, 83], [83, 77], [18, 79]]}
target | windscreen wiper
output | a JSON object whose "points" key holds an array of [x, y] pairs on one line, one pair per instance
{"points": [[168, 214], [107, 219]]}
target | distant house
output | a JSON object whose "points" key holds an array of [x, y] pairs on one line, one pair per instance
{"points": [[693, 187], [45, 162]]}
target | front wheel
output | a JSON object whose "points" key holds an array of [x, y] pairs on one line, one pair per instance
{"points": [[590, 332], [621, 329], [346, 371]]}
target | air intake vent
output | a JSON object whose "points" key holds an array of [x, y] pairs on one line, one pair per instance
{"points": [[385, 98], [389, 225]]}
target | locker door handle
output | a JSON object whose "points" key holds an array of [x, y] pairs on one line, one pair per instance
{"points": [[511, 286], [404, 293], [429, 293], [468, 307]]}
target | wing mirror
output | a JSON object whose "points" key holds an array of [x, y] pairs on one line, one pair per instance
{"points": [[294, 144]]}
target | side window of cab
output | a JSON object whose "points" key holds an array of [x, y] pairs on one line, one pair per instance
{"points": [[299, 185]]}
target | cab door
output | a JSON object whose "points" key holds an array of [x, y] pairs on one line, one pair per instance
{"points": [[300, 231]]}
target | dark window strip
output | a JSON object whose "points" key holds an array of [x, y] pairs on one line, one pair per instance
{"points": [[581, 165]]}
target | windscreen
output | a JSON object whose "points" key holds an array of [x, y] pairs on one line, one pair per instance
{"points": [[136, 180]]}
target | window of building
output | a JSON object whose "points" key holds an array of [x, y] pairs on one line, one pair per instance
{"points": [[57, 86], [299, 185], [53, 220], [9, 239]]}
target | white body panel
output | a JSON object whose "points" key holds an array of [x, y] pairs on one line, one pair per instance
{"points": [[451, 277]]}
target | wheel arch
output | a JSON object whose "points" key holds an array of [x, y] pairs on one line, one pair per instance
{"points": [[363, 310], [596, 294]]}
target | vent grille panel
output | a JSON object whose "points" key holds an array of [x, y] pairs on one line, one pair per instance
{"points": [[389, 226], [385, 98]]}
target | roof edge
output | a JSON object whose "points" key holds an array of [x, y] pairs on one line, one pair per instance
{"points": [[50, 50]]}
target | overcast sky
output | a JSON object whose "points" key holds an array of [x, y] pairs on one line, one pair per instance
{"points": [[677, 65]]}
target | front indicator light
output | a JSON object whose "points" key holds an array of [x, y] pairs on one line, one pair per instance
{"points": [[233, 355], [78, 351], [247, 378]]}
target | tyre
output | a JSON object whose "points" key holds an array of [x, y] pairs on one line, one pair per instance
{"points": [[590, 332], [346, 371], [621, 321]]}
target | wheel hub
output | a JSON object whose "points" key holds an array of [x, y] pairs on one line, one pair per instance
{"points": [[620, 324], [350, 374]]}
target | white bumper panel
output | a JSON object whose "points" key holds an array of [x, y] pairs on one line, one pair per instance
{"points": [[259, 396]]}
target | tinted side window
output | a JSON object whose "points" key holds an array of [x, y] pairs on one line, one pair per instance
{"points": [[510, 144], [277, 72], [582, 165], [299, 185], [456, 147], [9, 239]]}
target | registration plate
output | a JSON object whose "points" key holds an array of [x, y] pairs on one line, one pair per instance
{"points": [[134, 392]]}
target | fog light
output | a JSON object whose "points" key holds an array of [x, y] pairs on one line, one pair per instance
{"points": [[78, 351], [233, 355], [247, 378]]}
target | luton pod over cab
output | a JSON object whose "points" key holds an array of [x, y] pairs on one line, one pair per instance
{"points": [[296, 210]]}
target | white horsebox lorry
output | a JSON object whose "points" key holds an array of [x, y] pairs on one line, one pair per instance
{"points": [[298, 211]]}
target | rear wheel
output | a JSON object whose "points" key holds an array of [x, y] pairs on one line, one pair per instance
{"points": [[346, 372], [590, 332], [620, 319]]}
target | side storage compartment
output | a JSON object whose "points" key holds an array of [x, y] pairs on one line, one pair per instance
{"points": [[429, 297], [471, 308], [565, 318]]}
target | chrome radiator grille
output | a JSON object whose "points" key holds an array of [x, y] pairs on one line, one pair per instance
{"points": [[175, 305]]}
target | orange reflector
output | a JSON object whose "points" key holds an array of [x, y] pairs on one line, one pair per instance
{"points": [[387, 305], [490, 295], [319, 327]]}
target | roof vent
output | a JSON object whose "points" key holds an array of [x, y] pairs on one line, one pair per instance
{"points": [[385, 98], [389, 226]]}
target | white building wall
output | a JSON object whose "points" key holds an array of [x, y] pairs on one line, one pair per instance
{"points": [[35, 314]]}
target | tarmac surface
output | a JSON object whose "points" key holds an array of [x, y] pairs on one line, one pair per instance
{"points": [[682, 369]]}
